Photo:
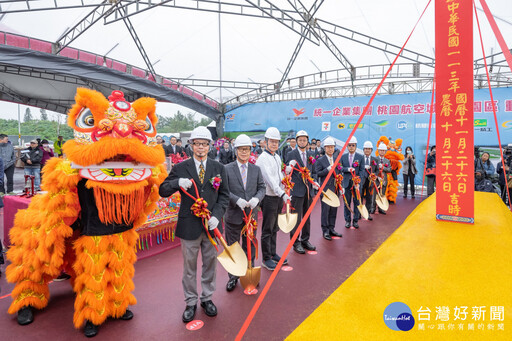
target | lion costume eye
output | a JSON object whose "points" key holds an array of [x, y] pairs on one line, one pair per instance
{"points": [[85, 119], [150, 129]]}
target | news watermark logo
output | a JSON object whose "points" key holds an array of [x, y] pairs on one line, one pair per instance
{"points": [[398, 316]]}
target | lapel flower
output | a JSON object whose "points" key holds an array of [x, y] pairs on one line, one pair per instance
{"points": [[374, 163], [338, 166], [215, 181], [386, 165], [355, 164], [311, 160]]}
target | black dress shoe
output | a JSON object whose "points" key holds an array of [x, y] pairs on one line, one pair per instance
{"points": [[128, 315], [299, 249], [189, 313], [347, 224], [90, 329], [209, 308], [355, 224], [308, 246], [327, 236], [370, 217], [382, 211], [335, 234], [25, 316], [231, 284]]}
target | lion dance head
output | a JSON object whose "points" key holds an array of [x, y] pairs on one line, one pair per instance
{"points": [[116, 150]]}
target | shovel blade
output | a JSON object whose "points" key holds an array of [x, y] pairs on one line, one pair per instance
{"points": [[287, 222], [364, 212], [331, 199], [251, 279], [382, 202], [234, 260]]}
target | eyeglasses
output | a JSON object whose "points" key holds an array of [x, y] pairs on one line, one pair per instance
{"points": [[351, 145], [245, 150], [204, 144]]}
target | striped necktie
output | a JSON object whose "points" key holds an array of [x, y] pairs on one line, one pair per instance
{"points": [[201, 172], [244, 174]]}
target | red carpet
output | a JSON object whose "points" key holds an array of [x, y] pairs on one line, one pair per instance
{"points": [[291, 299]]}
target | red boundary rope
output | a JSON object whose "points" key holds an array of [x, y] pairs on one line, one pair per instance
{"points": [[496, 33], [265, 290]]}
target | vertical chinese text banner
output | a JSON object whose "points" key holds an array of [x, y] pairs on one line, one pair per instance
{"points": [[454, 110]]}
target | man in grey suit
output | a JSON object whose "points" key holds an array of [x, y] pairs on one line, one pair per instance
{"points": [[384, 167], [247, 189], [370, 167], [190, 228]]}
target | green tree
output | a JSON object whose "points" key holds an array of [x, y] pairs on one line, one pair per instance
{"points": [[44, 115], [28, 115]]}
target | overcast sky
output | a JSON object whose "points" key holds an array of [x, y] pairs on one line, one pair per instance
{"points": [[184, 43]]}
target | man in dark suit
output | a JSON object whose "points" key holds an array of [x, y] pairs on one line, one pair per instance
{"points": [[173, 148], [190, 229], [323, 165], [384, 167], [288, 149], [370, 167], [226, 154], [352, 161], [301, 191], [247, 190]]}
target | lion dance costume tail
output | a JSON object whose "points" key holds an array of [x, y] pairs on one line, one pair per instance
{"points": [[43, 239]]}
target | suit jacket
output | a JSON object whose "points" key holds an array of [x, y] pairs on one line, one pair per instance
{"points": [[301, 189], [226, 157], [321, 166], [190, 227], [169, 151], [345, 165], [255, 187], [374, 168]]}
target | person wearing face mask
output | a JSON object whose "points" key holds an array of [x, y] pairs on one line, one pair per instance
{"points": [[481, 183], [431, 165], [409, 171]]}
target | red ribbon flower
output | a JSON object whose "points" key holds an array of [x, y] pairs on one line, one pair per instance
{"points": [[355, 164], [311, 160], [216, 181]]}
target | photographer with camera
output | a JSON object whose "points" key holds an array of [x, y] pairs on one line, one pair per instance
{"points": [[507, 156]]}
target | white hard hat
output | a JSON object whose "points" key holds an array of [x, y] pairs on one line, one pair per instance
{"points": [[273, 133], [329, 142], [243, 140], [382, 146], [301, 133], [201, 133], [353, 140], [368, 144]]}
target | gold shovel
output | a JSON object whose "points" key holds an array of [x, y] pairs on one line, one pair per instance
{"points": [[331, 199], [287, 221], [233, 257], [381, 200], [252, 278]]}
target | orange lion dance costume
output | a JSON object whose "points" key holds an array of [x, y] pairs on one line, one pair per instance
{"points": [[395, 156], [94, 200]]}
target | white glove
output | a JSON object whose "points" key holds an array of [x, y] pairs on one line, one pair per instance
{"points": [[329, 168], [288, 170], [185, 183], [242, 203], [351, 169], [293, 163], [381, 166], [342, 191], [367, 166], [286, 197], [212, 223], [253, 202], [316, 185]]}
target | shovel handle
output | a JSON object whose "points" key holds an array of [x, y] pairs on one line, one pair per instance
{"points": [[218, 235], [249, 255]]}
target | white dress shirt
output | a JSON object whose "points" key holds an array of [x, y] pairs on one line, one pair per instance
{"points": [[270, 166], [198, 163]]}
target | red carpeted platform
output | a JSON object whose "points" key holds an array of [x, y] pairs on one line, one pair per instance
{"points": [[293, 296]]}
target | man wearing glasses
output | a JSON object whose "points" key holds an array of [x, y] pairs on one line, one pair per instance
{"points": [[190, 229], [247, 189], [272, 204], [351, 163]]}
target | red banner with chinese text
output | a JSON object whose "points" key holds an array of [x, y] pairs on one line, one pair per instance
{"points": [[454, 111]]}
